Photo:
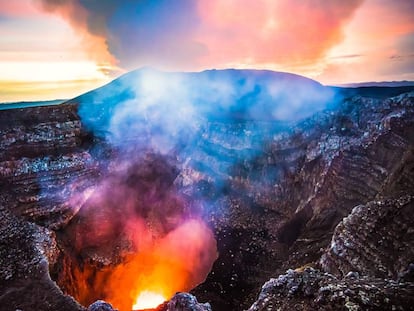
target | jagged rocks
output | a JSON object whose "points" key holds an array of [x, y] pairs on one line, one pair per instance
{"points": [[43, 151], [101, 305], [184, 302], [179, 302], [311, 289], [26, 251], [368, 265], [376, 239]]}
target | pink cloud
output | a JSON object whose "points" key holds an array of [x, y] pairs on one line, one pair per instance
{"points": [[294, 35], [211, 33], [20, 8], [270, 31]]}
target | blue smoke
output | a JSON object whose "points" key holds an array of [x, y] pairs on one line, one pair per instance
{"points": [[210, 120]]}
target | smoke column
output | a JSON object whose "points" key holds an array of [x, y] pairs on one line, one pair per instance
{"points": [[143, 220]]}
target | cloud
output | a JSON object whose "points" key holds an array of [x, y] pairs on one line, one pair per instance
{"points": [[283, 31], [94, 36], [22, 8], [198, 34], [347, 56]]}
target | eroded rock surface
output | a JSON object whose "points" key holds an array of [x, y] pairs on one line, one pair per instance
{"points": [[376, 240], [284, 204], [26, 253], [42, 150], [312, 289]]}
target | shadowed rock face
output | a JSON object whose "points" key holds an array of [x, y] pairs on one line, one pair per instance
{"points": [[312, 289], [374, 240], [273, 205], [368, 265], [39, 146], [326, 166]]}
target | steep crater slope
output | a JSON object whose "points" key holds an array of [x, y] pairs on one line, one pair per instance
{"points": [[284, 204]]}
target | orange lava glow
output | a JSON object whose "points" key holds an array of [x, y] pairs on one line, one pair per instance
{"points": [[176, 262], [148, 300]]}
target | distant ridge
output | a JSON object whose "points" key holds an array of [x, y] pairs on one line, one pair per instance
{"points": [[26, 104], [216, 94], [124, 82], [378, 84]]}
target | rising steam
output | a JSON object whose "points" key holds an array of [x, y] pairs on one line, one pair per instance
{"points": [[160, 110], [149, 235], [145, 235]]}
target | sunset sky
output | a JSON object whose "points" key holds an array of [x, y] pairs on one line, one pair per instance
{"points": [[61, 48]]}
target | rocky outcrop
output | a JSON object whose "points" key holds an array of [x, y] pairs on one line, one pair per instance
{"points": [[311, 289], [100, 305], [375, 240], [26, 253], [42, 150], [284, 204], [184, 302], [368, 265]]}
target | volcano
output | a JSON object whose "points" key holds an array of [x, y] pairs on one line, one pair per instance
{"points": [[210, 183]]}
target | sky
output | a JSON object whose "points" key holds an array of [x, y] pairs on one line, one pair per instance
{"points": [[53, 49]]}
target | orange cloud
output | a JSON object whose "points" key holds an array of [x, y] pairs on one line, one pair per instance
{"points": [[308, 37], [272, 31], [214, 33], [78, 17], [20, 8], [381, 33]]}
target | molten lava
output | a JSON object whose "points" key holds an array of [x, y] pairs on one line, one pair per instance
{"points": [[137, 240], [176, 262], [148, 300]]}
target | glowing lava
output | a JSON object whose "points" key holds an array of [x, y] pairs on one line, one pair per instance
{"points": [[175, 262], [148, 300]]}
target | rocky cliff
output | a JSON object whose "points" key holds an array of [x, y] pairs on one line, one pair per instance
{"points": [[39, 146], [329, 193], [284, 216]]}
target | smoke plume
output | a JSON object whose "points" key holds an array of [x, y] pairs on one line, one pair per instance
{"points": [[142, 234], [144, 220]]}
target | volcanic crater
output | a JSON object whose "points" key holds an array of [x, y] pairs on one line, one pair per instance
{"points": [[162, 183]]}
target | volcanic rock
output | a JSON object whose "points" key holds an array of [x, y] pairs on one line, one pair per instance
{"points": [[375, 240], [41, 150], [284, 204], [311, 289], [184, 302], [26, 251], [100, 305]]}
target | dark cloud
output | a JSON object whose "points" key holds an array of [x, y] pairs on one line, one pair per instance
{"points": [[137, 32]]}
